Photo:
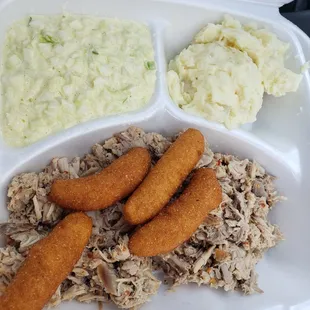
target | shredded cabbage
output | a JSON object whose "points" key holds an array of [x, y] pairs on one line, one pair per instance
{"points": [[61, 70]]}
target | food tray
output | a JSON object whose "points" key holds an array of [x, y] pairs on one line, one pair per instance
{"points": [[279, 139]]}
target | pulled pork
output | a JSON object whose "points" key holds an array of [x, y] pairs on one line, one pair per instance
{"points": [[223, 251]]}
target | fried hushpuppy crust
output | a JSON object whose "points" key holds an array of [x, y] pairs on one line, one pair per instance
{"points": [[48, 263], [176, 223], [102, 190], [164, 179]]}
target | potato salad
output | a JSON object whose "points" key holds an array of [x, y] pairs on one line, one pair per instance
{"points": [[224, 73]]}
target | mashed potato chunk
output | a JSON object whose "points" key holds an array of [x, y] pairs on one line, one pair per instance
{"points": [[213, 80], [223, 74]]}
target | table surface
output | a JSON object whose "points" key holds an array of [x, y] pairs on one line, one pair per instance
{"points": [[298, 12]]}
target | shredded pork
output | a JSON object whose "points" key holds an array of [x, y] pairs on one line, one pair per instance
{"points": [[222, 253]]}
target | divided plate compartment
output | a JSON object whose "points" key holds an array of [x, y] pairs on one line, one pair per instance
{"points": [[279, 140]]}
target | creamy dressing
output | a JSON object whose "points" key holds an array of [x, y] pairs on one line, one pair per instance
{"points": [[58, 71]]}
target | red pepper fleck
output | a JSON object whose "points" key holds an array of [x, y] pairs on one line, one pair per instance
{"points": [[10, 241], [209, 269], [218, 162]]}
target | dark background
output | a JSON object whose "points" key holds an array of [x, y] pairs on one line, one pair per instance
{"points": [[298, 12]]}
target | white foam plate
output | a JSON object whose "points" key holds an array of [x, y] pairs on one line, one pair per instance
{"points": [[279, 139]]}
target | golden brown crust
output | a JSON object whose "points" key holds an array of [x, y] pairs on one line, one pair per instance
{"points": [[102, 190], [164, 179], [176, 223], [48, 263]]}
